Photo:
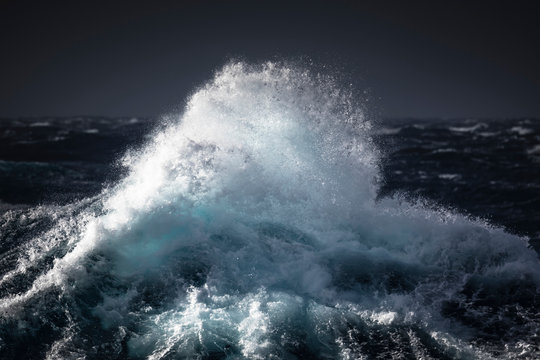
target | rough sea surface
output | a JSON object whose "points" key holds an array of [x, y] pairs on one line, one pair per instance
{"points": [[271, 219]]}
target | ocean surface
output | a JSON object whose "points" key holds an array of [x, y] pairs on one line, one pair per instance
{"points": [[273, 218]]}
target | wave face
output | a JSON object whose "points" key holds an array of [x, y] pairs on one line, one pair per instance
{"points": [[249, 227]]}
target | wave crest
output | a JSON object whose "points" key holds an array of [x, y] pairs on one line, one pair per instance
{"points": [[249, 227]]}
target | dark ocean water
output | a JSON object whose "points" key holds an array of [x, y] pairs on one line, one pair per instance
{"points": [[272, 221], [489, 168]]}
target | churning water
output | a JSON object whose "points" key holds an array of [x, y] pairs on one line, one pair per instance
{"points": [[249, 227]]}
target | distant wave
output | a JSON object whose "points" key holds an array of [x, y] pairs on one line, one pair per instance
{"points": [[469, 128]]}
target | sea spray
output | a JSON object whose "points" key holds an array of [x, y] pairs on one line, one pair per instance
{"points": [[248, 227]]}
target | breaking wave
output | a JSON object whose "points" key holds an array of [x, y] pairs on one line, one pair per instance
{"points": [[249, 227]]}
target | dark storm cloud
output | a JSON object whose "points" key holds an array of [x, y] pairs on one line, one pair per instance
{"points": [[418, 59]]}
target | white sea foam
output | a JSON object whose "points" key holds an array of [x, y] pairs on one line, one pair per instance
{"points": [[449, 176], [388, 131], [535, 150], [520, 130], [40, 124], [248, 227], [469, 128]]}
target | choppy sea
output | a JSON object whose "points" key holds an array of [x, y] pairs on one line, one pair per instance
{"points": [[272, 218]]}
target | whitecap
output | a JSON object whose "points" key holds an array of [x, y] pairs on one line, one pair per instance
{"points": [[468, 128], [521, 131], [250, 227]]}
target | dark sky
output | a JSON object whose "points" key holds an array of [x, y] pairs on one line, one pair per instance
{"points": [[418, 59]]}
